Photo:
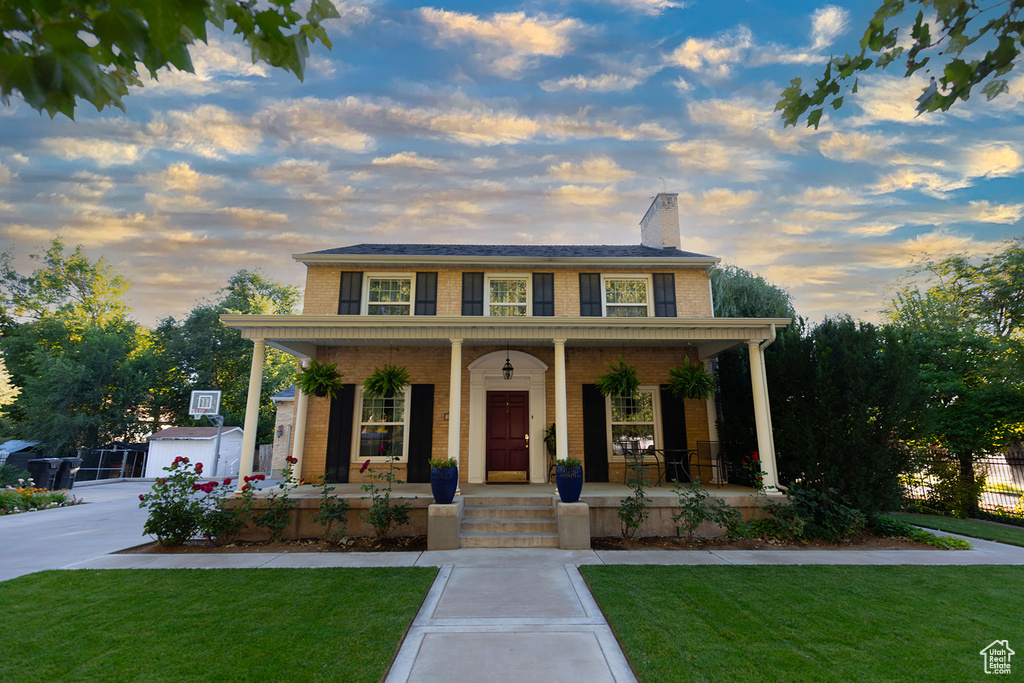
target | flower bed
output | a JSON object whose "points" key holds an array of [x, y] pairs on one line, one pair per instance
{"points": [[28, 498]]}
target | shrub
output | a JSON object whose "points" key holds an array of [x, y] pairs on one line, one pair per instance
{"points": [[813, 514], [181, 508], [696, 506], [331, 514], [11, 475], [887, 527], [384, 515], [633, 509], [278, 512]]}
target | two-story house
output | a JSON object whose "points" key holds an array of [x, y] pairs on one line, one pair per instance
{"points": [[501, 341]]}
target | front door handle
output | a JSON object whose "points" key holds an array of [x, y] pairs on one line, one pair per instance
{"points": [[527, 437]]}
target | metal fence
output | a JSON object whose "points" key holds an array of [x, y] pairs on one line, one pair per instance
{"points": [[103, 463], [1003, 489]]}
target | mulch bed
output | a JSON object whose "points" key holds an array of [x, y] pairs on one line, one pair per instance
{"points": [[673, 543], [419, 544], [306, 545]]}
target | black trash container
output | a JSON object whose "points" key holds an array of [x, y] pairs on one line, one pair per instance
{"points": [[66, 473], [44, 472]]}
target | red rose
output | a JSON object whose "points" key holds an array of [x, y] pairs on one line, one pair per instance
{"points": [[227, 481], [199, 468], [363, 468], [261, 477], [142, 497], [291, 460], [196, 487], [161, 481], [247, 478]]}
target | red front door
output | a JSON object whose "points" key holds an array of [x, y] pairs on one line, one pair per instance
{"points": [[508, 427]]}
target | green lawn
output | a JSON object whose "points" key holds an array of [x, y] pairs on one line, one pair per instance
{"points": [[967, 527], [808, 623], [207, 624]]}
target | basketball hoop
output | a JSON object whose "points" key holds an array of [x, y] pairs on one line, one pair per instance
{"points": [[204, 403]]}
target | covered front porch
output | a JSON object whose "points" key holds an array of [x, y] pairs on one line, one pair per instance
{"points": [[456, 367]]}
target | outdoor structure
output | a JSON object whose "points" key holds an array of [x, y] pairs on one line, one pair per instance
{"points": [[197, 444], [284, 423], [500, 342]]}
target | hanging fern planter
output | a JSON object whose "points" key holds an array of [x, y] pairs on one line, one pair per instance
{"points": [[387, 382], [691, 380], [319, 379], [621, 381]]}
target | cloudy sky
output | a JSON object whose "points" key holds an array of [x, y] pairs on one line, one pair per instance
{"points": [[546, 122]]}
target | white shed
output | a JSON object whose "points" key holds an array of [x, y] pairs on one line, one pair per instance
{"points": [[196, 444]]}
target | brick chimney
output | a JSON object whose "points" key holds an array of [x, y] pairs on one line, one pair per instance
{"points": [[660, 226]]}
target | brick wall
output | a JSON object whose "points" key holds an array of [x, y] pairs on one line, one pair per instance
{"points": [[430, 365], [284, 413], [693, 298]]}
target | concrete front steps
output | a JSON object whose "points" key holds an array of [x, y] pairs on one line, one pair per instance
{"points": [[508, 522]]}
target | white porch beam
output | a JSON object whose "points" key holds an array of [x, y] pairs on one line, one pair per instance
{"points": [[299, 432], [762, 416], [561, 412], [455, 400], [252, 410]]}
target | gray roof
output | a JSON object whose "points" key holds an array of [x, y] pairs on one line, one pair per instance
{"points": [[285, 394], [625, 251], [16, 445]]}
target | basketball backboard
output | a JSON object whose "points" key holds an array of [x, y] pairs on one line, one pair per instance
{"points": [[204, 403]]}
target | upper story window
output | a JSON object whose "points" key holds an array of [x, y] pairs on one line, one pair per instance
{"points": [[508, 295], [627, 297], [389, 295]]}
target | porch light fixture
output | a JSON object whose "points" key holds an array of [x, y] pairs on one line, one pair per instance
{"points": [[507, 369]]}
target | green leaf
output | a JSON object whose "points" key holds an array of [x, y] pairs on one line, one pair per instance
{"points": [[125, 29], [814, 117], [837, 102]]}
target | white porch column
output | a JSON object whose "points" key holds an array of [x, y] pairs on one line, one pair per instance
{"points": [[299, 432], [762, 416], [561, 413], [455, 400], [712, 409], [252, 410]]}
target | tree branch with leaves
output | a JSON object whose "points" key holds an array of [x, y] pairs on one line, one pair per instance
{"points": [[970, 42]]}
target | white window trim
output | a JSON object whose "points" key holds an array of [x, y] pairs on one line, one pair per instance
{"points": [[627, 276], [659, 441], [508, 276], [365, 303], [358, 431]]}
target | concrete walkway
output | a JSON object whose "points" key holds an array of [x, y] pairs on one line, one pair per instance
{"points": [[516, 614]]}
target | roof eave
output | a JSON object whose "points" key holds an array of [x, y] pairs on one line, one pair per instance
{"points": [[561, 261]]}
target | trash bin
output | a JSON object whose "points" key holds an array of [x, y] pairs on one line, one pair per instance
{"points": [[43, 471], [66, 473]]}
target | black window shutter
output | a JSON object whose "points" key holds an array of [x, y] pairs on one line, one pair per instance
{"points": [[664, 295], [421, 432], [590, 294], [339, 435], [673, 429], [350, 293], [595, 435], [472, 294], [426, 294], [543, 293]]}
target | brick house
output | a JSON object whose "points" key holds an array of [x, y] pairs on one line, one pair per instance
{"points": [[455, 315]]}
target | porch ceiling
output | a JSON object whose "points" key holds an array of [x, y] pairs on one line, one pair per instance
{"points": [[299, 335]]}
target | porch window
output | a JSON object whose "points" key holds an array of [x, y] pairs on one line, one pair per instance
{"points": [[626, 297], [382, 426], [388, 295], [508, 296], [632, 426]]}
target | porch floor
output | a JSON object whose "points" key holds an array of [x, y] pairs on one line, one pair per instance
{"points": [[590, 490]]}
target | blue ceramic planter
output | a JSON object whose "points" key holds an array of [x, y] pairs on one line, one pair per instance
{"points": [[569, 481], [443, 483]]}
